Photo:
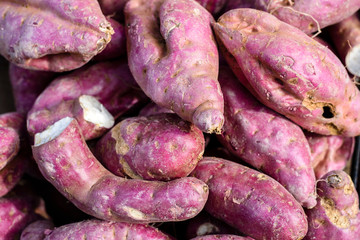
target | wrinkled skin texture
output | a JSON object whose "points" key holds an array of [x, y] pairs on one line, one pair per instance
{"points": [[158, 147], [329, 153], [11, 126], [290, 72], [93, 229], [37, 230], [67, 163], [250, 201], [346, 37], [266, 140], [304, 14], [336, 215], [27, 85], [52, 35], [174, 59]]}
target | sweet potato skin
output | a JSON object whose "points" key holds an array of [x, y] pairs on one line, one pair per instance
{"points": [[266, 140], [175, 61], [158, 147], [329, 153], [30, 33], [336, 215], [221, 237], [85, 182], [285, 69], [92, 229], [37, 230], [305, 15], [250, 201]]}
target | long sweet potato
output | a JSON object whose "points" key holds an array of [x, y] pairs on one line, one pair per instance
{"points": [[174, 59], [290, 72]]}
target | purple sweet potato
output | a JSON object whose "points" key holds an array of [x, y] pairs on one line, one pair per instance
{"points": [[94, 120], [336, 215], [11, 174], [16, 212], [37, 230], [52, 35], [94, 229], [106, 81], [222, 237], [290, 72], [153, 109], [157, 147], [306, 15], [113, 7], [11, 125], [27, 85], [250, 201], [346, 38], [329, 153], [66, 162], [174, 59], [213, 6], [266, 140], [117, 45]]}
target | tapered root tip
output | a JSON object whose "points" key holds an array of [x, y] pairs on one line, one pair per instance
{"points": [[209, 120]]}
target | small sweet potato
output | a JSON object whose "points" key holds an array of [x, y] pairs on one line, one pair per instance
{"points": [[174, 59], [306, 15], [266, 140], [336, 215], [329, 153], [290, 72], [250, 201], [52, 35], [66, 162], [157, 147]]}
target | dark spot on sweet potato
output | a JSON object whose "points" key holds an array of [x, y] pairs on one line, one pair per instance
{"points": [[327, 112]]}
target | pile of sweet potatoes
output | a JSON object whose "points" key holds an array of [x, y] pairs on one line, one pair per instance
{"points": [[179, 119]]}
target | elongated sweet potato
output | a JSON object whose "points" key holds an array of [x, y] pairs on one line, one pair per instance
{"points": [[266, 140], [158, 147], [336, 215], [329, 153], [174, 59], [52, 35], [303, 14], [346, 38], [290, 72], [93, 229], [250, 201], [27, 85], [65, 161]]}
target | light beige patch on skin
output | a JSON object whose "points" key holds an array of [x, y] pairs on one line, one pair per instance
{"points": [[333, 214]]}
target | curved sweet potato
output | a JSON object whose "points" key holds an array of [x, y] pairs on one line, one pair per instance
{"points": [[65, 161], [174, 59]]}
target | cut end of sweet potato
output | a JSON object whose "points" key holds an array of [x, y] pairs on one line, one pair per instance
{"points": [[353, 60], [95, 112], [52, 131]]}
